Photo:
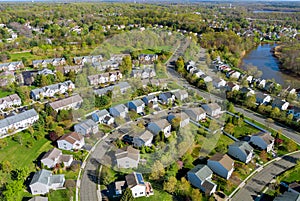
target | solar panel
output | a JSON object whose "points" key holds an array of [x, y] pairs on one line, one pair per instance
{"points": [[140, 178]]}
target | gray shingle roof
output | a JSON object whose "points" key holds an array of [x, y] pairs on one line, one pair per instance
{"points": [[244, 146], [41, 176], [202, 171], [65, 102], [17, 118]]}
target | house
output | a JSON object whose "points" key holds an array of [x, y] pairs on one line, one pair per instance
{"points": [[103, 117], [51, 90], [43, 181], [10, 101], [121, 87], [281, 104], [119, 111], [196, 113], [262, 98], [75, 68], [150, 101], [166, 98], [72, 102], [288, 196], [143, 139], [261, 83], [295, 111], [104, 78], [137, 105], [70, 141], [181, 95], [249, 79], [233, 74], [212, 109], [127, 157], [206, 78], [184, 118], [263, 140], [221, 164], [248, 91], [218, 83], [232, 86], [27, 77], [120, 186], [158, 126], [145, 73], [39, 198], [294, 187], [54, 157], [45, 71], [241, 150], [197, 73], [87, 59], [86, 127], [44, 63], [147, 58], [200, 177], [19, 121], [139, 188], [11, 66]]}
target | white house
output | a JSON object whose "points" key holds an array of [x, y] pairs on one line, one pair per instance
{"points": [[118, 111], [212, 109], [158, 126], [166, 98], [263, 140], [232, 86], [150, 101], [86, 127], [262, 98], [281, 104], [218, 83], [10, 101], [137, 185], [241, 151], [221, 164], [137, 105], [200, 177], [70, 141], [127, 157], [19, 121], [143, 139], [181, 94], [72, 102], [103, 117], [54, 157], [183, 117], [43, 181], [196, 113]]}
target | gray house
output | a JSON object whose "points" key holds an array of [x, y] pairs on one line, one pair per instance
{"points": [[136, 105], [127, 157], [150, 100], [86, 127], [43, 181], [212, 109], [166, 98], [241, 150], [118, 111], [103, 117], [143, 139], [54, 157], [200, 177], [184, 118], [158, 126], [196, 114], [181, 95]]}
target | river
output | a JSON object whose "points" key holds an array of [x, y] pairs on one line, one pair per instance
{"points": [[262, 58]]}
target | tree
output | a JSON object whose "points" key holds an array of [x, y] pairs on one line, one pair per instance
{"points": [[275, 112], [291, 145], [179, 66], [53, 136], [59, 76], [170, 185], [126, 65], [6, 166], [158, 170], [59, 130], [183, 187], [127, 195], [229, 128], [263, 156], [250, 102], [196, 195]]}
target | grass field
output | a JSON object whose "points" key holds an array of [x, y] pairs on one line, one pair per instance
{"points": [[27, 55], [22, 156], [244, 130], [59, 195], [5, 93], [291, 175], [158, 195]]}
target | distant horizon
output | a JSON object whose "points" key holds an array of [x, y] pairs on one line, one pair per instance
{"points": [[152, 1]]}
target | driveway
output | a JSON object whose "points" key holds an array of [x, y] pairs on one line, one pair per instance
{"points": [[258, 182]]}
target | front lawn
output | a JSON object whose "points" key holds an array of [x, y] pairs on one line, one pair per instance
{"points": [[158, 195], [61, 195], [291, 175]]}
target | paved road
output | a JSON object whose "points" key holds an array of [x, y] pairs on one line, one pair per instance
{"points": [[257, 183]]}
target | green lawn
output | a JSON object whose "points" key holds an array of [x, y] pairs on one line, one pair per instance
{"points": [[244, 130], [60, 195], [27, 55], [158, 195], [5, 93], [291, 175], [22, 156]]}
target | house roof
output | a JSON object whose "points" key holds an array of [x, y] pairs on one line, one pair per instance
{"points": [[128, 152], [145, 136], [65, 102], [224, 160], [38, 198], [162, 123], [134, 179], [72, 137], [288, 196], [101, 113], [119, 185], [52, 87], [10, 98], [202, 171], [196, 110], [18, 118], [137, 102], [244, 146], [208, 186], [41, 176], [120, 108], [52, 154], [86, 124], [182, 116], [180, 93], [265, 136], [212, 106], [278, 102], [260, 95]]}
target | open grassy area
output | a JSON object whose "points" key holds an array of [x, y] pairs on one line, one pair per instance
{"points": [[291, 175], [5, 93], [158, 195], [18, 56], [61, 195], [244, 130], [20, 155]]}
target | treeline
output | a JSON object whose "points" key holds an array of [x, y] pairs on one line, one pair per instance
{"points": [[289, 56]]}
